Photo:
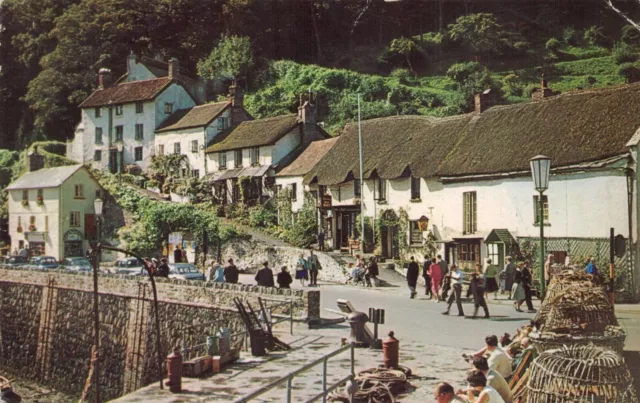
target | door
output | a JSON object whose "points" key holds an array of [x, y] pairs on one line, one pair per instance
{"points": [[346, 229], [113, 161]]}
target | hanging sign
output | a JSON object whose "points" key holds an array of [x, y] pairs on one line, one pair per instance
{"points": [[423, 224]]}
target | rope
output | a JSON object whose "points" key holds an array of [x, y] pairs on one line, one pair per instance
{"points": [[376, 385]]}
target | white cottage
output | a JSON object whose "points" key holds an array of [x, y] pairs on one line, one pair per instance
{"points": [[468, 177]]}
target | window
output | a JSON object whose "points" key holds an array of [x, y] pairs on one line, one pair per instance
{"points": [[468, 253], [168, 108], [137, 153], [97, 155], [194, 146], [161, 149], [74, 219], [119, 110], [176, 148], [139, 107], [195, 173], [536, 210], [183, 172], [98, 135], [222, 160], [294, 192], [415, 188], [493, 253], [78, 191], [415, 235], [255, 156], [139, 131], [98, 194], [357, 188], [40, 194], [222, 123], [470, 212], [98, 112], [25, 196], [119, 133], [382, 189], [237, 158]]}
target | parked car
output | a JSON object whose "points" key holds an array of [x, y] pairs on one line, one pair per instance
{"points": [[14, 261], [128, 265], [185, 271], [78, 263], [43, 263]]}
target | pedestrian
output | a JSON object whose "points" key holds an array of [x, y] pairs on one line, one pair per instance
{"points": [[284, 278], [23, 252], [177, 255], [321, 240], [509, 273], [455, 276], [312, 263], [218, 274], [435, 272], [444, 268], [518, 288], [426, 276], [163, 268], [372, 272], [231, 273], [491, 283], [264, 277], [547, 268], [412, 277], [444, 393], [527, 282], [301, 270], [591, 267], [476, 289], [184, 256]]}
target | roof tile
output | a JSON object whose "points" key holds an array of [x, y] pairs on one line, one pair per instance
{"points": [[255, 133], [197, 116], [144, 90]]}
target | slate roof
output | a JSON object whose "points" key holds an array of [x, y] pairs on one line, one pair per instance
{"points": [[134, 91], [254, 133], [309, 158], [197, 116], [44, 178]]}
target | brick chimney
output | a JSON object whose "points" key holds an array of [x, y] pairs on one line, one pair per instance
{"points": [[104, 78], [35, 161], [174, 68], [543, 92], [236, 97], [483, 101], [307, 116]]}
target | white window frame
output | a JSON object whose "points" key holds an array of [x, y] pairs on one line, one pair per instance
{"points": [[78, 191], [74, 219]]}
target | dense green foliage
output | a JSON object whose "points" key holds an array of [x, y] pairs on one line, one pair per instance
{"points": [[231, 58]]}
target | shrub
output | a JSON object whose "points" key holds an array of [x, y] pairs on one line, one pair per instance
{"points": [[594, 36], [511, 85], [623, 53], [570, 36], [460, 72], [588, 82], [630, 72], [630, 35], [403, 75], [553, 45], [262, 216]]}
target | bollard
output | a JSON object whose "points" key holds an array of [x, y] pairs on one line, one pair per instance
{"points": [[174, 371], [358, 321], [391, 351]]}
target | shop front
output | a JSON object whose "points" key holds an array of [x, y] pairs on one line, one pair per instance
{"points": [[36, 242], [73, 243]]}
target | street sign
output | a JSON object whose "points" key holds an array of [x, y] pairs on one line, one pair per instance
{"points": [[620, 246]]}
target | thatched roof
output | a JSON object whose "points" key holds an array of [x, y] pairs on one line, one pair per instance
{"points": [[392, 147], [198, 116], [309, 157], [255, 133], [144, 90]]}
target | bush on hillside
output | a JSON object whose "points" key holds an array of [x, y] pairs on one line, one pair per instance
{"points": [[570, 36], [461, 72], [511, 85], [623, 53], [403, 75], [630, 35], [553, 45], [630, 72], [594, 36]]}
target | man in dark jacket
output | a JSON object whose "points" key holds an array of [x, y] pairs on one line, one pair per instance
{"points": [[264, 277], [284, 278], [177, 255], [412, 277], [163, 269], [231, 273]]}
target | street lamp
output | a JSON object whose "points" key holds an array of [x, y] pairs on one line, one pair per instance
{"points": [[97, 208], [540, 166]]}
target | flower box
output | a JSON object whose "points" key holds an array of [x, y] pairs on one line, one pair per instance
{"points": [[19, 230], [25, 202], [32, 228], [40, 201]]}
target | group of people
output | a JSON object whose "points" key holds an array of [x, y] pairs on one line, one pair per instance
{"points": [[156, 269], [219, 274], [365, 272], [491, 369], [434, 272]]}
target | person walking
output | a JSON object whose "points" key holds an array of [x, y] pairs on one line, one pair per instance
{"points": [[231, 273], [264, 277], [509, 273], [527, 281], [177, 255], [284, 278], [312, 263], [455, 276], [435, 272], [412, 277], [518, 288], [163, 268], [211, 271], [491, 283], [301, 270], [444, 268], [426, 276], [372, 272], [321, 240], [218, 274], [476, 289]]}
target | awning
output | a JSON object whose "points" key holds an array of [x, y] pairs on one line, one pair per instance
{"points": [[239, 173], [500, 235]]}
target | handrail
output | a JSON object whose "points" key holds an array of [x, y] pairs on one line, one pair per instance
{"points": [[289, 377]]}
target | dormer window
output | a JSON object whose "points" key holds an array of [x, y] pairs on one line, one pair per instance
{"points": [[222, 123], [168, 108], [119, 110]]}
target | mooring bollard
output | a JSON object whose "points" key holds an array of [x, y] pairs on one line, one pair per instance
{"points": [[391, 351], [174, 371]]}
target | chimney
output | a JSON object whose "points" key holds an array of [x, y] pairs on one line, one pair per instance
{"points": [[104, 78], [236, 97], [35, 160], [174, 68], [543, 92], [307, 116], [483, 101]]}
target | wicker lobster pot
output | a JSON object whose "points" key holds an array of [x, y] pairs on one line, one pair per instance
{"points": [[580, 374], [613, 338]]}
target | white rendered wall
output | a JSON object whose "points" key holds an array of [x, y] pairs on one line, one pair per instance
{"points": [[22, 214], [285, 145], [184, 137], [286, 182]]}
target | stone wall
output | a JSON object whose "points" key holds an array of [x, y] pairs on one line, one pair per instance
{"points": [[46, 324]]}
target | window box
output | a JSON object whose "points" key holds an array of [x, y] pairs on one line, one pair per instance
{"points": [[39, 201], [415, 200], [25, 202], [545, 224], [32, 228]]}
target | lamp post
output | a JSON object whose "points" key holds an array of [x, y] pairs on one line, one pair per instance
{"points": [[540, 166], [97, 206], [361, 179]]}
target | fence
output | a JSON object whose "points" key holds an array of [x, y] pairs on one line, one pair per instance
{"points": [[579, 250], [326, 389]]}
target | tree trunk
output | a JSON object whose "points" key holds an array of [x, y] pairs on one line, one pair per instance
{"points": [[623, 15]]}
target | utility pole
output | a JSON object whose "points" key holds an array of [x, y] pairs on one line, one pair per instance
{"points": [[361, 179]]}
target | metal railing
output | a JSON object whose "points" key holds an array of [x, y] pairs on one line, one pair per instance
{"points": [[288, 379]]}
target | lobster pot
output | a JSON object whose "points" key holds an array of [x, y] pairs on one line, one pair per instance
{"points": [[579, 309], [580, 374], [613, 338]]}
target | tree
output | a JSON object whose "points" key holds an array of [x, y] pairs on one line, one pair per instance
{"points": [[404, 47], [622, 14], [231, 58], [480, 32]]}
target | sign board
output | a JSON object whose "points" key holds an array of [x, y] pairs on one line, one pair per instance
{"points": [[620, 246], [175, 238], [423, 224], [34, 236], [72, 235]]}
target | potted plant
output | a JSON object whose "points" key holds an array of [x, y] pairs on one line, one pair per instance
{"points": [[25, 202], [32, 228], [39, 201], [19, 229]]}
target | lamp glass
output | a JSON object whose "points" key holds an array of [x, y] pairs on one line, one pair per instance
{"points": [[97, 206], [540, 168]]}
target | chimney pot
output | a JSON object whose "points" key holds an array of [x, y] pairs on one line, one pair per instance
{"points": [[104, 78], [174, 68]]}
